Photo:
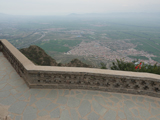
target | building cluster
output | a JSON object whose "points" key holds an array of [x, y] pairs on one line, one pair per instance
{"points": [[102, 52]]}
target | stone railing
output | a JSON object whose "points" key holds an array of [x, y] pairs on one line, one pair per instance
{"points": [[81, 78]]}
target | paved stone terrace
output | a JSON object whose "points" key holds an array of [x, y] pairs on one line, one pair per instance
{"points": [[18, 102]]}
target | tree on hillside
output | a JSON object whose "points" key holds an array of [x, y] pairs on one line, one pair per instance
{"points": [[130, 66]]}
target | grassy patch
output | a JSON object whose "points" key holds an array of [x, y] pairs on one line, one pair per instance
{"points": [[59, 45], [138, 57]]}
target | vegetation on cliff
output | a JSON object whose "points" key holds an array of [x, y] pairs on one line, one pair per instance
{"points": [[38, 56], [76, 63], [130, 66]]}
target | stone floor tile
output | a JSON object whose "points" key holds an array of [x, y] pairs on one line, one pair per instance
{"points": [[4, 94], [72, 92], [42, 113], [52, 94], [66, 92], [62, 107], [88, 96], [126, 96], [42, 93], [114, 99], [78, 91], [158, 116], [30, 113], [121, 115], [144, 113], [2, 85], [155, 111], [3, 81], [22, 98], [153, 105], [74, 114], [90, 92], [7, 87], [60, 92], [79, 96], [11, 116], [62, 100], [98, 108], [32, 100], [119, 96], [16, 82], [109, 103], [129, 103], [8, 101], [51, 106], [93, 116], [18, 95], [13, 91], [149, 99], [27, 94], [84, 108], [101, 119], [147, 104], [6, 78], [73, 102], [153, 118], [65, 115], [18, 107], [34, 91], [2, 73], [159, 103], [136, 118], [22, 88], [42, 103], [81, 119], [134, 98], [55, 113], [128, 113], [140, 99], [100, 100], [18, 117], [83, 91], [110, 115], [140, 104], [135, 112]]}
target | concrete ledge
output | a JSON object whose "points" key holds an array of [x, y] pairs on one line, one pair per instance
{"points": [[80, 78]]}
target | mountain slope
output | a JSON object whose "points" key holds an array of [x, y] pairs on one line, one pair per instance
{"points": [[38, 56], [76, 63]]}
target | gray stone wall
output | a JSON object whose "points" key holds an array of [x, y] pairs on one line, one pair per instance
{"points": [[111, 83], [0, 46], [83, 80], [15, 63]]}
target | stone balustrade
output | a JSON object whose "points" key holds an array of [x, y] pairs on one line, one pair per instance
{"points": [[80, 78]]}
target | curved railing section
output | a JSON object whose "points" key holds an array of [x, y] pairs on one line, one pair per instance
{"points": [[80, 78]]}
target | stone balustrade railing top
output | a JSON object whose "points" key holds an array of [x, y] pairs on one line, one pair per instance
{"points": [[80, 78]]}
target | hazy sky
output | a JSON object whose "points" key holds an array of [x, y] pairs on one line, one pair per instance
{"points": [[62, 7]]}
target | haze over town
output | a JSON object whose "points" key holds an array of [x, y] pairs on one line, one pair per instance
{"points": [[64, 7], [92, 31]]}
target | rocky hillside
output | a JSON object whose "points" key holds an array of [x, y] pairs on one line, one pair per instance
{"points": [[38, 56], [76, 63]]}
